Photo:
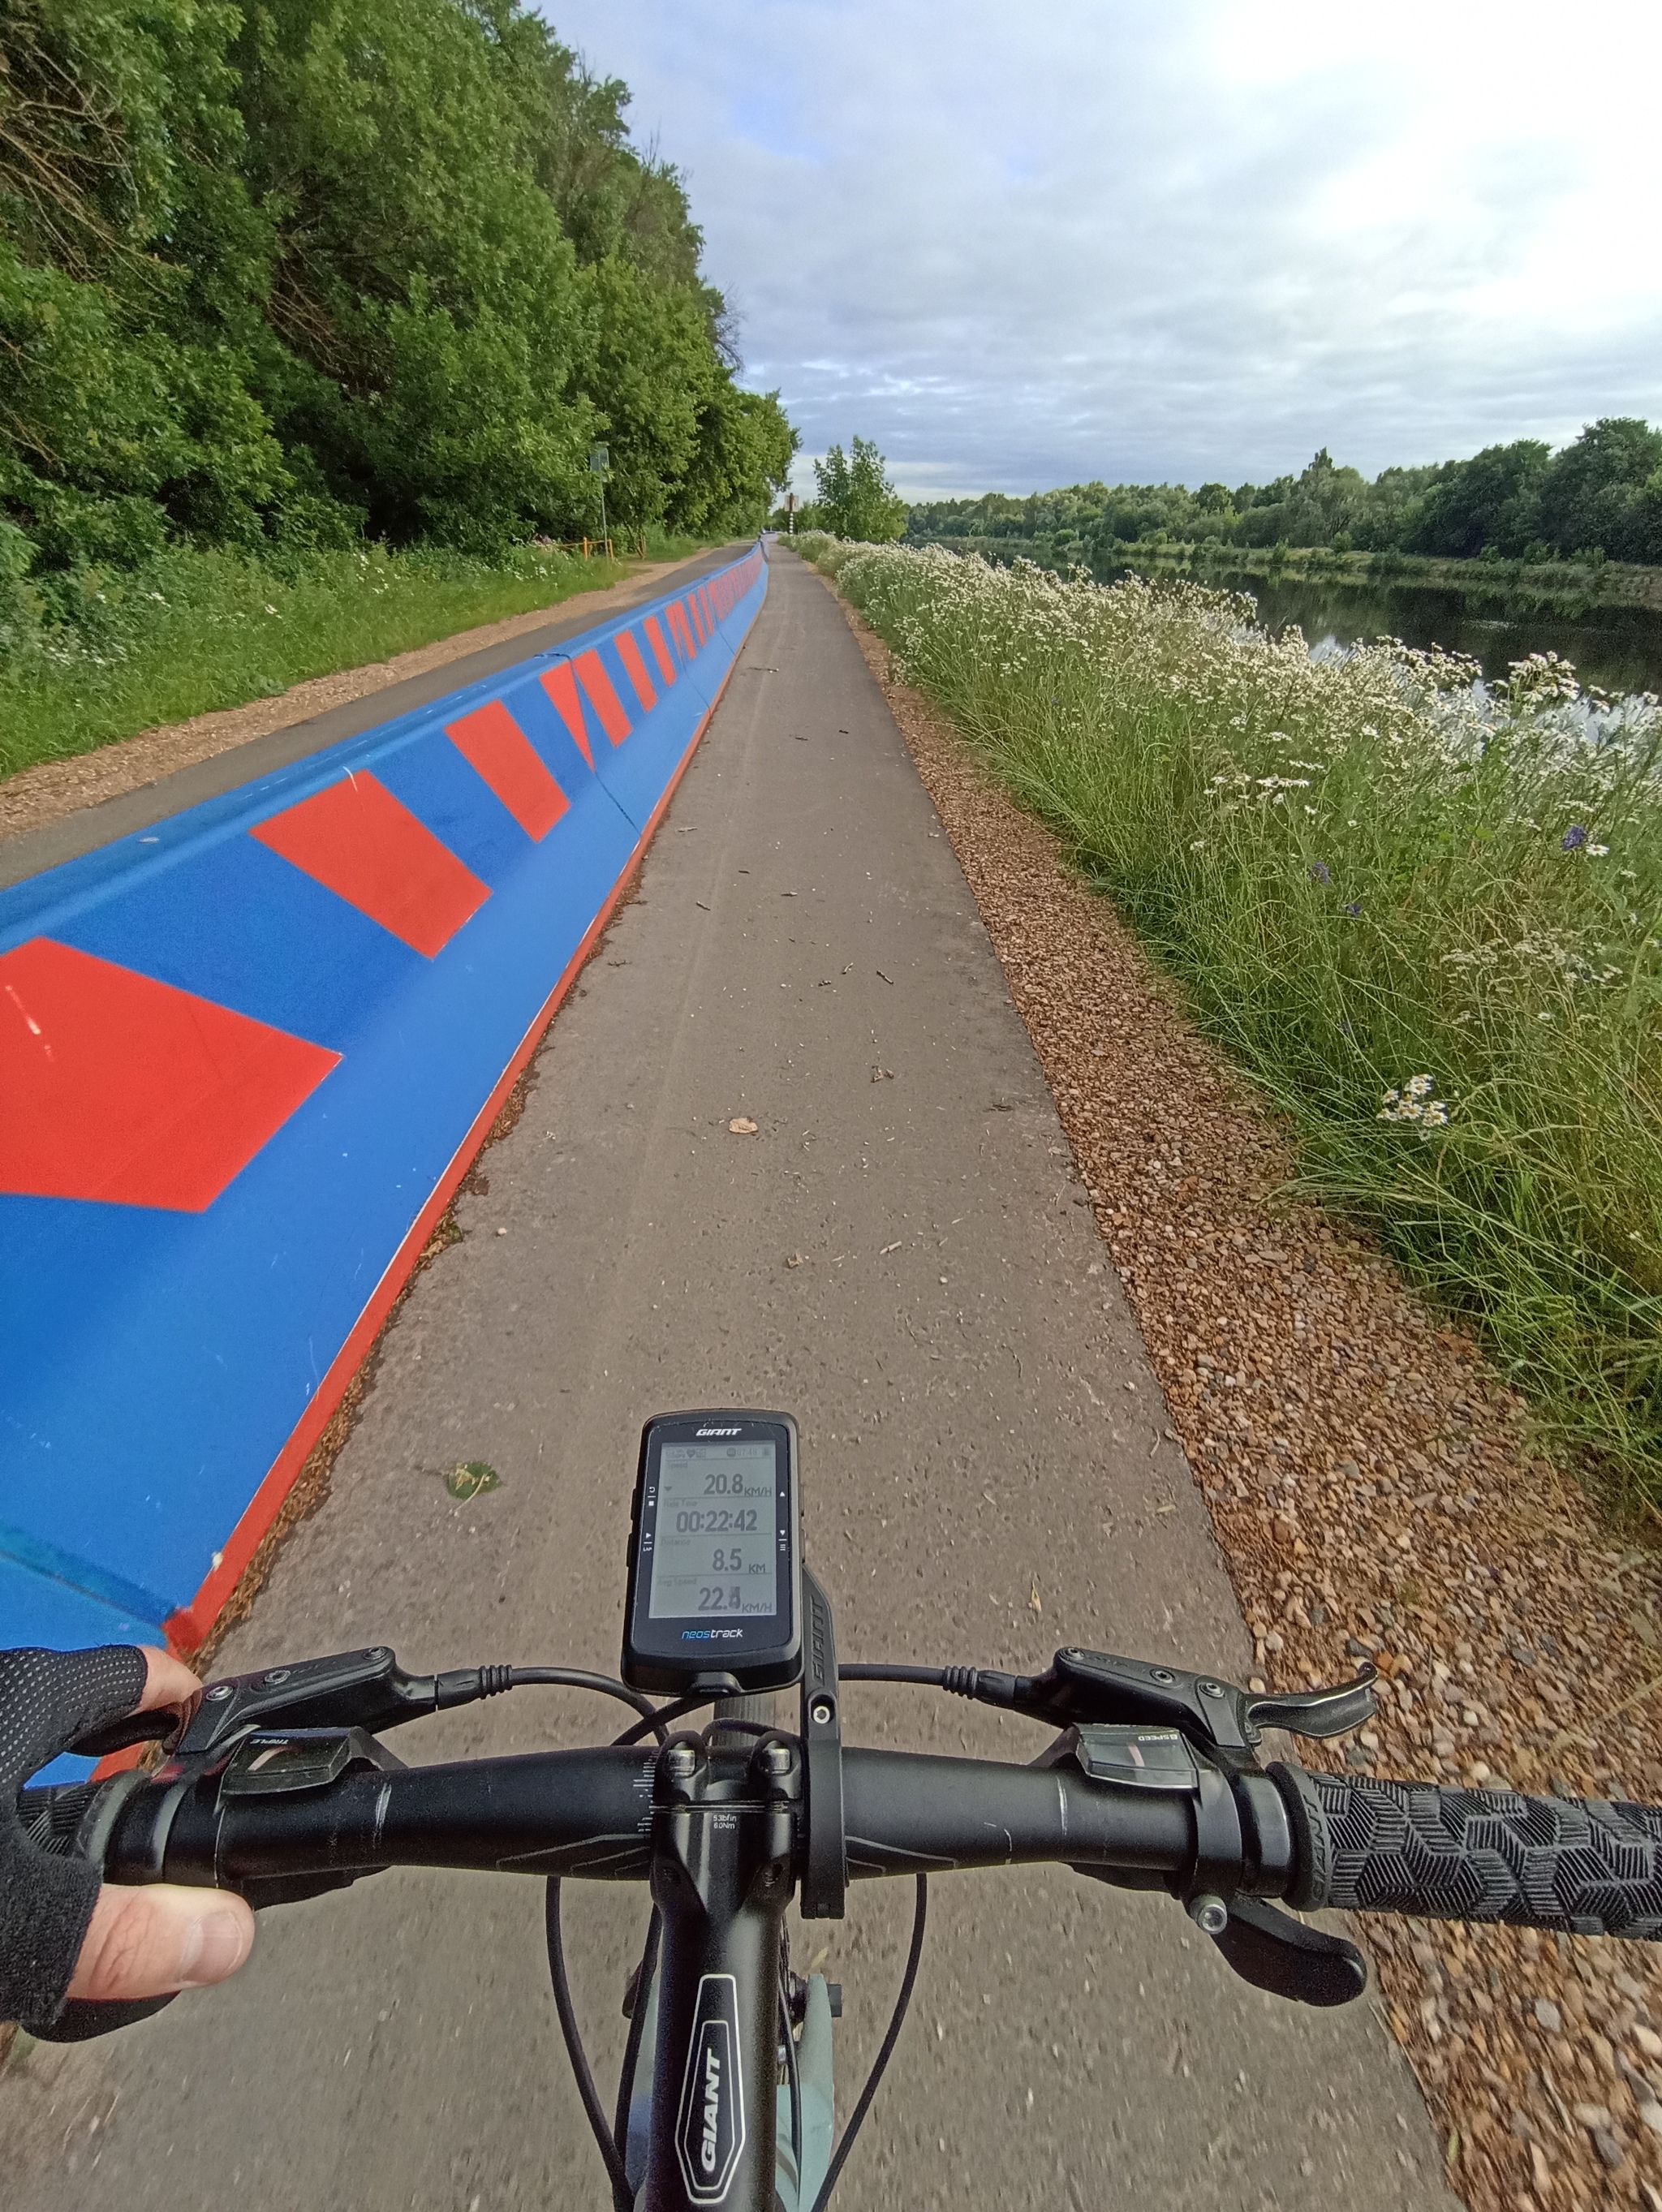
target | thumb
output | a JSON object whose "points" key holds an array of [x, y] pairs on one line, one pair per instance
{"points": [[147, 1942]]}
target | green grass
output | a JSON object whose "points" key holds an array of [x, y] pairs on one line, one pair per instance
{"points": [[103, 655], [1366, 874]]}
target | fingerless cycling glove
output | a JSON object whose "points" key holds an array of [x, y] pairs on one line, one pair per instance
{"points": [[48, 1698]]}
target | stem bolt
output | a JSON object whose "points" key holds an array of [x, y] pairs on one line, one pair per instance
{"points": [[1209, 1913], [819, 1712], [681, 1759]]}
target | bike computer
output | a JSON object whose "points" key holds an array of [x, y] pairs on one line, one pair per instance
{"points": [[714, 1554]]}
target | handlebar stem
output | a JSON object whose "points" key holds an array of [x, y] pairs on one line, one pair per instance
{"points": [[723, 1834]]}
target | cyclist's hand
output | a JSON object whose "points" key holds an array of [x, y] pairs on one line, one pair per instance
{"points": [[64, 1933]]}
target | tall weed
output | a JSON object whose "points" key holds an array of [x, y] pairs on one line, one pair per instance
{"points": [[1425, 916], [90, 655]]}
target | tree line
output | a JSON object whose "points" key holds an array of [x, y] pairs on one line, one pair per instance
{"points": [[288, 272], [1598, 497]]}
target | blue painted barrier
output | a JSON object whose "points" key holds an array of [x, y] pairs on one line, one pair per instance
{"points": [[246, 1056]]}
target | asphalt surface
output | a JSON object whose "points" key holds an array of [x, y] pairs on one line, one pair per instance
{"points": [[902, 1257]]}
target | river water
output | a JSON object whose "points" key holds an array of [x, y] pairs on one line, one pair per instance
{"points": [[1618, 647]]}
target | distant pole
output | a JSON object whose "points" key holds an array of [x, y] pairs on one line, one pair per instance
{"points": [[599, 461], [790, 511]]}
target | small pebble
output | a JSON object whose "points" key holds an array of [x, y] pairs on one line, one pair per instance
{"points": [[1548, 2017], [1609, 2149]]}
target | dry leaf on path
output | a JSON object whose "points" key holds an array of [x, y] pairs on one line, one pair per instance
{"points": [[742, 1126]]}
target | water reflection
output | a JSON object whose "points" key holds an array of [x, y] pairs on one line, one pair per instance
{"points": [[1619, 647]]}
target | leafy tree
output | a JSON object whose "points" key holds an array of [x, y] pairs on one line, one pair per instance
{"points": [[286, 269], [745, 447], [1493, 499], [855, 496], [132, 270], [1594, 493]]}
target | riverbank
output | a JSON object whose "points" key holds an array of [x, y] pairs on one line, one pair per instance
{"points": [[1507, 589], [1423, 923]]}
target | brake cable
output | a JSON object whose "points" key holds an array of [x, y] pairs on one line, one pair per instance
{"points": [[658, 1717], [574, 2049], [792, 2076], [885, 2052], [644, 1974], [575, 1678]]}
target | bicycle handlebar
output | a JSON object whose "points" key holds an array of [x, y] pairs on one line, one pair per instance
{"points": [[1577, 1867], [279, 1809], [1311, 1839]]}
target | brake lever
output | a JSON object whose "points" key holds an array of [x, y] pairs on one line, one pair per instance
{"points": [[1102, 1687], [367, 1690], [1319, 1713], [121, 1735]]}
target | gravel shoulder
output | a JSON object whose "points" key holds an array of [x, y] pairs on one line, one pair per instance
{"points": [[45, 794], [1372, 1488]]}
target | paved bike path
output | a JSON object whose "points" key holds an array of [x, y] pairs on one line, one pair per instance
{"points": [[902, 1256]]}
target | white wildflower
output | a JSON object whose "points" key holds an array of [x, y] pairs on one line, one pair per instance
{"points": [[1413, 1103]]}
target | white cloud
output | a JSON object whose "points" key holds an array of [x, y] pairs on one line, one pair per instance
{"points": [[1021, 246]]}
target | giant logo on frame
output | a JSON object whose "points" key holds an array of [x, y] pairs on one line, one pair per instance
{"points": [[709, 2126]]}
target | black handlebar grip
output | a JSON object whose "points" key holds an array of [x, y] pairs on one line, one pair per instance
{"points": [[1577, 1866]]}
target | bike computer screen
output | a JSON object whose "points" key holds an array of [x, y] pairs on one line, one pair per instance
{"points": [[714, 1554]]}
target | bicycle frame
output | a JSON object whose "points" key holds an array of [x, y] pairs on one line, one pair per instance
{"points": [[816, 2102], [710, 2124]]}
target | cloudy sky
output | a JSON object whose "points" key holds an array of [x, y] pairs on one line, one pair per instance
{"points": [[1023, 243]]}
